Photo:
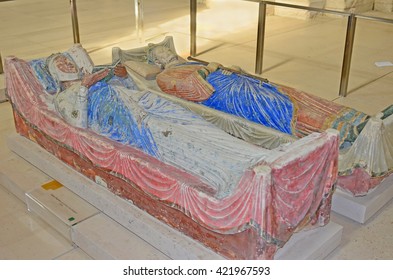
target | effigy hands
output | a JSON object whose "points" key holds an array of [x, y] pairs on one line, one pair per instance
{"points": [[91, 79], [120, 71]]}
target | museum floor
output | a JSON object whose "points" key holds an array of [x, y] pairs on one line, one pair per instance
{"points": [[302, 53]]}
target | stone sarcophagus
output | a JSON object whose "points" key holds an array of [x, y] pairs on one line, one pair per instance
{"points": [[245, 204]]}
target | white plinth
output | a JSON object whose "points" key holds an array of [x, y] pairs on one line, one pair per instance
{"points": [[168, 241], [313, 244], [104, 239], [361, 209], [60, 207]]}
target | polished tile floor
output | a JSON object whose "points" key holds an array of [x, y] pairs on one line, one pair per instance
{"points": [[306, 54]]}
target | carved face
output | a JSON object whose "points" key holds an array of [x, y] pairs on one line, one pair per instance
{"points": [[163, 55], [65, 65]]}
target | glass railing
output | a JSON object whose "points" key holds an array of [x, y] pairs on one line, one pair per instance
{"points": [[349, 39]]}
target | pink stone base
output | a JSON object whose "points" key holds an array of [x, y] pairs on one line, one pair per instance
{"points": [[359, 183], [244, 245]]}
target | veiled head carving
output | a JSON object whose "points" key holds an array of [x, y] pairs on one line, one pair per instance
{"points": [[63, 68]]}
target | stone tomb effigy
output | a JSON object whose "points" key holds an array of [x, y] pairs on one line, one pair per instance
{"points": [[289, 189], [366, 142]]}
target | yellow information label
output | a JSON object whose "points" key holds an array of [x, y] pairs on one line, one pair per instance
{"points": [[52, 185]]}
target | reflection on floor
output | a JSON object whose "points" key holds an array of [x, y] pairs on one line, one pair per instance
{"points": [[306, 54]]}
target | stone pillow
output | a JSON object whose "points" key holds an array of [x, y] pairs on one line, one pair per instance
{"points": [[147, 71]]}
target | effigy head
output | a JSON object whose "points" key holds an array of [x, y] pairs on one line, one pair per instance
{"points": [[65, 64], [63, 68], [161, 55]]}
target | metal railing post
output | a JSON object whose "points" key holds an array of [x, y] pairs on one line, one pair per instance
{"points": [[260, 37], [3, 96], [351, 26], [193, 16], [139, 19], [74, 19], [1, 65]]}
